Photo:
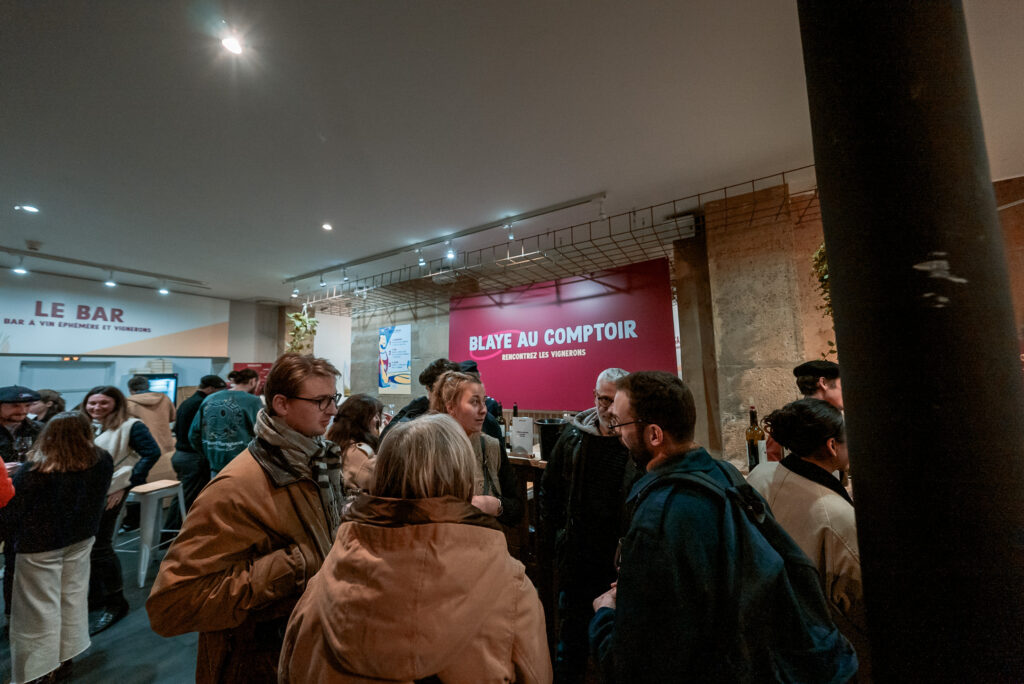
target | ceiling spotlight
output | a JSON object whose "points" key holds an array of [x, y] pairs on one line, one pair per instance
{"points": [[163, 290], [327, 226], [323, 283], [110, 282], [232, 45], [508, 227], [344, 275], [450, 254], [600, 211], [27, 208], [20, 268]]}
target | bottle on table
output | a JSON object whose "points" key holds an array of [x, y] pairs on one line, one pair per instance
{"points": [[756, 445]]}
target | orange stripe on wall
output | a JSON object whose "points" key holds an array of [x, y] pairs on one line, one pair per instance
{"points": [[209, 340]]}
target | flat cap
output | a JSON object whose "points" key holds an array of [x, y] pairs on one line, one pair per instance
{"points": [[16, 394], [214, 381], [818, 369]]}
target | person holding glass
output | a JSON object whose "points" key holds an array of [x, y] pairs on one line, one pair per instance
{"points": [[18, 434], [52, 522], [419, 584], [134, 452], [495, 492]]}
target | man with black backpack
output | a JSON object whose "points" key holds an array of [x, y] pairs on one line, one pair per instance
{"points": [[710, 589]]}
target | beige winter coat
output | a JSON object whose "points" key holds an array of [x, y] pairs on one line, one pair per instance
{"points": [[823, 525], [415, 588], [157, 412], [250, 543]]}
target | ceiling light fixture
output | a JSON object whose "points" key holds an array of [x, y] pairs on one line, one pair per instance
{"points": [[450, 254], [20, 268], [232, 45], [420, 260], [323, 283], [295, 293], [344, 275], [110, 282], [508, 227], [27, 208], [163, 289], [327, 226]]}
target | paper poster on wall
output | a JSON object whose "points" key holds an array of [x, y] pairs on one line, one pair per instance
{"points": [[333, 342], [543, 346], [41, 314], [395, 360]]}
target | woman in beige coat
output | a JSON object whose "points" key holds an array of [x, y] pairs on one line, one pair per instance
{"points": [[419, 583], [815, 509]]}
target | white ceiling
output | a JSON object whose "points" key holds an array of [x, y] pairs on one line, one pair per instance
{"points": [[148, 146]]}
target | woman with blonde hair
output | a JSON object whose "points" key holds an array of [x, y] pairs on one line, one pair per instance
{"points": [[134, 451], [52, 522], [495, 490], [419, 584]]}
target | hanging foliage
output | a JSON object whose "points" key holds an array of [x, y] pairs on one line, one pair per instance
{"points": [[302, 333], [820, 263]]}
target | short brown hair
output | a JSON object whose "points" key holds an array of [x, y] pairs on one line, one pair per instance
{"points": [[449, 388], [65, 444], [662, 399], [288, 374], [425, 458]]}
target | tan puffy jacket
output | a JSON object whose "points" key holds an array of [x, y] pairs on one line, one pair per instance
{"points": [[415, 588], [157, 412], [250, 542]]}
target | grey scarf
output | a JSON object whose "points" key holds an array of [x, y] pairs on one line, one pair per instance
{"points": [[315, 455]]}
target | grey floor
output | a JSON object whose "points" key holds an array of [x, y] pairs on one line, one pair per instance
{"points": [[129, 652]]}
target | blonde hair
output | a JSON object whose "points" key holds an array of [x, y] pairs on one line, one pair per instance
{"points": [[448, 388], [425, 458]]}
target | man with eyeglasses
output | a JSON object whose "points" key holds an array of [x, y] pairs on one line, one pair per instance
{"points": [[584, 487], [657, 623], [258, 532], [225, 422]]}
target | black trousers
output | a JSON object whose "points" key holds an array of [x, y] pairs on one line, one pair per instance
{"points": [[9, 557], [193, 471], [575, 608], [106, 588]]}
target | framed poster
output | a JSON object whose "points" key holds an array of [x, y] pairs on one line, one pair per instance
{"points": [[394, 359]]}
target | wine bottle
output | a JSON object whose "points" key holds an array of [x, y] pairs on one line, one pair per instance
{"points": [[755, 442]]}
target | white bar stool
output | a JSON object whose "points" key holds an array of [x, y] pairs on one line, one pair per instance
{"points": [[151, 496]]}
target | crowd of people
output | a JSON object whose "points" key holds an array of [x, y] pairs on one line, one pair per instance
{"points": [[322, 545]]}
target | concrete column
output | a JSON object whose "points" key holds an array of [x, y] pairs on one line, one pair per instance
{"points": [[925, 330]]}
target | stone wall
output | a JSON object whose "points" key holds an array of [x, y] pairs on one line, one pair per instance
{"points": [[764, 304]]}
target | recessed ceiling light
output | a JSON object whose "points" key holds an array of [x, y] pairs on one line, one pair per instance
{"points": [[232, 45], [327, 226], [27, 208]]}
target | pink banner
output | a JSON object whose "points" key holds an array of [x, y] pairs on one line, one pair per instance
{"points": [[542, 346]]}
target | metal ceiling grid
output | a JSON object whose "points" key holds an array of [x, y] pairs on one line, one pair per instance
{"points": [[618, 240]]}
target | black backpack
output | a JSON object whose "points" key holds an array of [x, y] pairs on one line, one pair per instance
{"points": [[777, 626]]}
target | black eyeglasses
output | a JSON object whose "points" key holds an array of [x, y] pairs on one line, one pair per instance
{"points": [[321, 402], [616, 426]]}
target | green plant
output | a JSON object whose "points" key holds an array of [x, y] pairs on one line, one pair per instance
{"points": [[303, 331], [820, 263]]}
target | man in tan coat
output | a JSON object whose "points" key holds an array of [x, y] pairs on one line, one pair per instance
{"points": [[154, 409], [257, 533]]}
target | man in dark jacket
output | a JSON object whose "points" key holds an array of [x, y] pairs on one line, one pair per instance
{"points": [[585, 484], [192, 468], [17, 435]]}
